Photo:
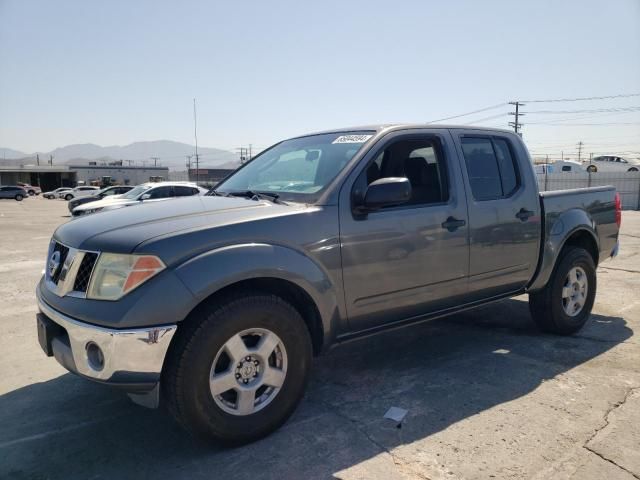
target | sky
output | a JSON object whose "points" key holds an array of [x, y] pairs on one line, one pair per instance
{"points": [[116, 72]]}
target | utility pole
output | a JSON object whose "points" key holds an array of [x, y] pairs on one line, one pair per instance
{"points": [[195, 134], [51, 160], [38, 159], [580, 144], [155, 161], [517, 114], [188, 166]]}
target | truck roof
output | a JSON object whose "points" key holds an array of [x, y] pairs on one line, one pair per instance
{"points": [[404, 126]]}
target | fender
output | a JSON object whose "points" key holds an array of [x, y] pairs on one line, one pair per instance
{"points": [[211, 271], [559, 229]]}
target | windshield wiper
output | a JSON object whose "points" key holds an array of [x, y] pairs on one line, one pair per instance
{"points": [[251, 194]]}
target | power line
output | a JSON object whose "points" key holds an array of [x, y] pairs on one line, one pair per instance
{"points": [[580, 99], [486, 118], [598, 110], [469, 113]]}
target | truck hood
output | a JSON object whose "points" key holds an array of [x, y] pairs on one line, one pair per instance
{"points": [[121, 230]]}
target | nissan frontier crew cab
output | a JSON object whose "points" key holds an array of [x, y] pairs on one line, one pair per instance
{"points": [[215, 305]]}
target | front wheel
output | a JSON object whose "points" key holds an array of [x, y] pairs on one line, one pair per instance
{"points": [[592, 169], [19, 197], [632, 169], [68, 197], [238, 369], [563, 306]]}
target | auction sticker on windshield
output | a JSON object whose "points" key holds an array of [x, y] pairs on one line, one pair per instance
{"points": [[352, 139]]}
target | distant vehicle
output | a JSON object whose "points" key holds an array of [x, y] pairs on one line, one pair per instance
{"points": [[31, 189], [147, 192], [54, 193], [15, 192], [568, 166], [612, 163], [543, 168], [110, 192], [81, 191]]}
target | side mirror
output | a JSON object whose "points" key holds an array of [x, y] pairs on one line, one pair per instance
{"points": [[146, 196], [387, 192]]}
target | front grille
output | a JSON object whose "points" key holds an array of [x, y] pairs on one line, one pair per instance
{"points": [[64, 251], [84, 272]]}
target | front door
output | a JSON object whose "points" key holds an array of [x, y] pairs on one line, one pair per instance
{"points": [[405, 261]]}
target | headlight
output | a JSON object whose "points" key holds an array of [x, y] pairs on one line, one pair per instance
{"points": [[115, 275]]}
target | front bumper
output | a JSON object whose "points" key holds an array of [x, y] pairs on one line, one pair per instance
{"points": [[131, 358]]}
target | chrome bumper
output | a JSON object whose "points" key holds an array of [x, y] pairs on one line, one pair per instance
{"points": [[130, 357]]}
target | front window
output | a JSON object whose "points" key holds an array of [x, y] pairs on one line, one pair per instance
{"points": [[136, 192], [299, 169]]}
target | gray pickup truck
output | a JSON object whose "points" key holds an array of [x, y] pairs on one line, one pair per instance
{"points": [[215, 305]]}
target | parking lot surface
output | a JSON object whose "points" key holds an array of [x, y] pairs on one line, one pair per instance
{"points": [[487, 395]]}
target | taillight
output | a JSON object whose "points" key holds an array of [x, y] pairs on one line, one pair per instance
{"points": [[618, 210]]}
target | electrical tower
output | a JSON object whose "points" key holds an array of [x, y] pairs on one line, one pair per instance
{"points": [[155, 161], [517, 114]]}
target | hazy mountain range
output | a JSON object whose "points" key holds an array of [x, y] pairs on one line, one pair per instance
{"points": [[170, 154]]}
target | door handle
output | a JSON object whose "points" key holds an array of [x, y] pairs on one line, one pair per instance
{"points": [[452, 224], [524, 214]]}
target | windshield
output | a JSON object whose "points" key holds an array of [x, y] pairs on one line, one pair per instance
{"points": [[135, 192], [298, 169]]}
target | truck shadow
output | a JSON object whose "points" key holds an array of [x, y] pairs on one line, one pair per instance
{"points": [[442, 372]]}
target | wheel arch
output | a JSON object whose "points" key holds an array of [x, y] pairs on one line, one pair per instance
{"points": [[273, 269], [573, 228]]}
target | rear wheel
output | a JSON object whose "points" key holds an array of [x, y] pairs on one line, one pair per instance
{"points": [[632, 169], [238, 369], [563, 306], [592, 168], [19, 197]]}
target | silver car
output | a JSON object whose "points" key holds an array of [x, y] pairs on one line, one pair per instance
{"points": [[17, 193]]}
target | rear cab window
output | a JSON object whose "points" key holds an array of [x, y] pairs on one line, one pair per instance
{"points": [[491, 167]]}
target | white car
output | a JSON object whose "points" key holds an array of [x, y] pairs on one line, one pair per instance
{"points": [[56, 192], [78, 192], [147, 192], [568, 166], [543, 168], [612, 163]]}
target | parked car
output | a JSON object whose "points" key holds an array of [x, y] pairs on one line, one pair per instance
{"points": [[16, 192], [31, 189], [108, 192], [78, 192], [147, 192], [568, 166], [612, 163], [54, 193], [215, 305]]}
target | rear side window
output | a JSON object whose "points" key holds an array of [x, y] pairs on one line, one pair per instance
{"points": [[490, 166]]}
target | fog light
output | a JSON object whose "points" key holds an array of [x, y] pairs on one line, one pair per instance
{"points": [[95, 357]]}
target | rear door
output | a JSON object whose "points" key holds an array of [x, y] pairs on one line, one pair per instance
{"points": [[504, 211], [405, 261]]}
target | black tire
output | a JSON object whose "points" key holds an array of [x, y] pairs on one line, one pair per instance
{"points": [[68, 197], [592, 169], [19, 197], [632, 169], [185, 381], [31, 193], [546, 306]]}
